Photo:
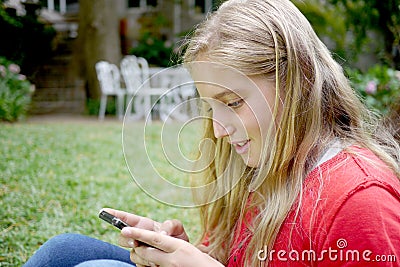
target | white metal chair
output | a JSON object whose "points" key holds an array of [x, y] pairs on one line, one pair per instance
{"points": [[144, 66], [110, 84], [134, 74], [172, 86], [179, 102]]}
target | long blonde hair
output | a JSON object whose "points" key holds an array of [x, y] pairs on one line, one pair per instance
{"points": [[272, 38]]}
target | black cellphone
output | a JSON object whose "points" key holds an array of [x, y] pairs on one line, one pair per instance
{"points": [[111, 219], [117, 222]]}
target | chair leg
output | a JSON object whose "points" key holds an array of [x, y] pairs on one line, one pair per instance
{"points": [[103, 105], [120, 106], [128, 108], [147, 108]]}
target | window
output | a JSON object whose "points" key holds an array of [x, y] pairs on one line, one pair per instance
{"points": [[134, 3], [200, 6], [141, 3], [62, 6], [204, 6]]}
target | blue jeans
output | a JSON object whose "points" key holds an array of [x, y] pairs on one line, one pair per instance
{"points": [[69, 250]]}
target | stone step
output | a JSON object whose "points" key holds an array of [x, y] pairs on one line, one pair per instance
{"points": [[47, 107], [54, 94], [56, 81], [53, 68], [59, 98], [56, 91]]}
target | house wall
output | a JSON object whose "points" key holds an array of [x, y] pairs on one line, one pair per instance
{"points": [[180, 17]]}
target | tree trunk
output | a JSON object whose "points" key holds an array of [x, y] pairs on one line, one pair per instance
{"points": [[98, 39]]}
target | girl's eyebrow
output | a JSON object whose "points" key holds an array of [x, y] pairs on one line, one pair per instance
{"points": [[220, 96], [224, 94]]}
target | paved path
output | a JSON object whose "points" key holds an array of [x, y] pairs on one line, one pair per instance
{"points": [[51, 118]]}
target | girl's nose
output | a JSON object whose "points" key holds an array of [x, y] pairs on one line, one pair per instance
{"points": [[222, 130]]}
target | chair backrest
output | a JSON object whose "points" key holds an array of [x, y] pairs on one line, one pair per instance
{"points": [[135, 71], [108, 76], [144, 66]]}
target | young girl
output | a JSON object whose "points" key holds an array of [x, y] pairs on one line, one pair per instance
{"points": [[311, 181]]}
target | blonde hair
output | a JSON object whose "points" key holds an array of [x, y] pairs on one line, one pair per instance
{"points": [[273, 38]]}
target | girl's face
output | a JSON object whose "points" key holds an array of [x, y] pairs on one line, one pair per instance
{"points": [[241, 107]]}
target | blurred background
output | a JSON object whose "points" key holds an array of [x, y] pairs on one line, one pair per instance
{"points": [[59, 164], [56, 43]]}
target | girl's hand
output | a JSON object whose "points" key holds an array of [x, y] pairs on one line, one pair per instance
{"points": [[172, 228], [164, 250]]}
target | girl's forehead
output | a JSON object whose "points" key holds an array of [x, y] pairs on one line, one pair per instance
{"points": [[219, 77], [207, 91]]}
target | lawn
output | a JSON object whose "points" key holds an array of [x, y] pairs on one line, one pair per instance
{"points": [[56, 175]]}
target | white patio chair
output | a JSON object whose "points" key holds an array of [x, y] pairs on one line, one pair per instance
{"points": [[131, 74], [110, 84], [144, 66], [172, 87], [178, 103], [136, 74]]}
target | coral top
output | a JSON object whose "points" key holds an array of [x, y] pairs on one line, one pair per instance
{"points": [[349, 216]]}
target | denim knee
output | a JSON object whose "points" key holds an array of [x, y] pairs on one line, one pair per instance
{"points": [[72, 249], [103, 263]]}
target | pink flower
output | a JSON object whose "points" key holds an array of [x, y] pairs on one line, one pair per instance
{"points": [[371, 87], [21, 77], [14, 68]]}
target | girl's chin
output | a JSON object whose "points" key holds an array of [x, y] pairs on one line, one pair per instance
{"points": [[250, 162]]}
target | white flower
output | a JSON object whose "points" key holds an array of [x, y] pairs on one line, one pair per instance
{"points": [[397, 74]]}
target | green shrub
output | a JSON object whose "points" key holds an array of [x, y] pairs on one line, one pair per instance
{"points": [[15, 92], [93, 106], [379, 87], [25, 40], [155, 50], [330, 27]]}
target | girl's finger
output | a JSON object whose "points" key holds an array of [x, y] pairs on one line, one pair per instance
{"points": [[152, 256], [163, 242], [127, 242], [174, 228], [139, 261], [132, 219]]}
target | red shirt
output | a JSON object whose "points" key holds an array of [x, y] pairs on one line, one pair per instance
{"points": [[349, 216]]}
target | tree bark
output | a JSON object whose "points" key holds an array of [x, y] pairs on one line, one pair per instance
{"points": [[98, 39]]}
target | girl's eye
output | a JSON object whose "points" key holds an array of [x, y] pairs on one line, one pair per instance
{"points": [[236, 104]]}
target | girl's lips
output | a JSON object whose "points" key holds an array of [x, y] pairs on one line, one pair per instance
{"points": [[242, 149]]}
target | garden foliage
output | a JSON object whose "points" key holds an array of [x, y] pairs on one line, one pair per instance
{"points": [[25, 40], [379, 87], [156, 50], [15, 92]]}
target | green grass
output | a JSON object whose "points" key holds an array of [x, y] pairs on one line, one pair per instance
{"points": [[56, 176]]}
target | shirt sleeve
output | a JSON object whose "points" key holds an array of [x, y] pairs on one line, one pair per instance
{"points": [[365, 230]]}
